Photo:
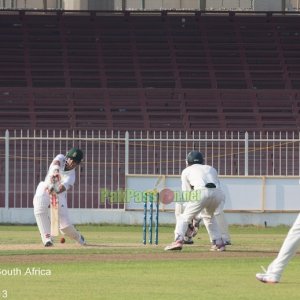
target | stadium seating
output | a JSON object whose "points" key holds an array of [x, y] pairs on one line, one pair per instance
{"points": [[149, 71], [166, 71]]}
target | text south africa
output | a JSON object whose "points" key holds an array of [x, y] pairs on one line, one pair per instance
{"points": [[30, 271]]}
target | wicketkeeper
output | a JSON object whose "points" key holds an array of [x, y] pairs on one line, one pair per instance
{"points": [[203, 194], [195, 224], [63, 168]]}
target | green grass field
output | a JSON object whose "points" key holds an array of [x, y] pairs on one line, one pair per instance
{"points": [[115, 265]]}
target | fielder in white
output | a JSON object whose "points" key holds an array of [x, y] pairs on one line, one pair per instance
{"points": [[202, 193], [64, 166], [286, 253]]}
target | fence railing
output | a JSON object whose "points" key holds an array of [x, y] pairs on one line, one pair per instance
{"points": [[109, 156]]}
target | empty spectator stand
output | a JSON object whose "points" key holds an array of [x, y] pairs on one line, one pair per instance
{"points": [[162, 70]]}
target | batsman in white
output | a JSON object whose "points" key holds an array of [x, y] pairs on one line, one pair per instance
{"points": [[287, 251], [64, 166], [203, 194]]}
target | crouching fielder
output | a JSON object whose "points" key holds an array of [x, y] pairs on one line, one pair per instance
{"points": [[195, 224], [202, 182], [62, 167]]}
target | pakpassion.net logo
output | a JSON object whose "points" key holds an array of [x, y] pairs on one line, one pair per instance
{"points": [[165, 196]]}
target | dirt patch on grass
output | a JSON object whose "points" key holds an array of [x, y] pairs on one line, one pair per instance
{"points": [[31, 257]]}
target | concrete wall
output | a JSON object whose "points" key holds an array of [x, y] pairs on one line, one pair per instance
{"points": [[89, 5], [267, 5], [97, 216], [29, 4]]}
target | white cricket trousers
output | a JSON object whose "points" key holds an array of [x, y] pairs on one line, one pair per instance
{"points": [[287, 251], [219, 215], [210, 199], [41, 204]]}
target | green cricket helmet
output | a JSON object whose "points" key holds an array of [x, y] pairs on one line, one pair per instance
{"points": [[75, 154]]}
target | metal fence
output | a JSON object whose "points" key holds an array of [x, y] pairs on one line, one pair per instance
{"points": [[109, 156]]}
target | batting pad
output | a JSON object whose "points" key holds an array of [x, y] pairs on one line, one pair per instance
{"points": [[41, 204], [71, 232]]}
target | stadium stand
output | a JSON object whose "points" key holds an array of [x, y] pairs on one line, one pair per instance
{"points": [[142, 70]]}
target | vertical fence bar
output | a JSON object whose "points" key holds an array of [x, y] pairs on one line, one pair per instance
{"points": [[267, 154], [179, 155], [21, 171], [231, 155], [199, 142], [119, 145], [280, 156], [86, 170], [260, 153], [105, 165], [40, 156], [15, 169], [126, 153], [73, 192], [286, 153], [238, 153], [79, 177], [219, 150], [273, 156], [167, 152], [93, 168], [6, 169], [134, 153], [225, 154], [160, 152], [212, 148], [298, 153], [112, 166], [141, 153], [293, 154], [173, 154], [29, 159], [34, 159], [154, 154], [147, 152], [99, 200], [205, 146], [246, 153], [186, 145]]}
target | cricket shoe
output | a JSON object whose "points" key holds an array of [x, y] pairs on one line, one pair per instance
{"points": [[177, 245], [219, 248], [188, 240], [266, 278], [82, 241], [48, 244]]}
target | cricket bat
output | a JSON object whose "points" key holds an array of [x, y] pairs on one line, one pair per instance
{"points": [[160, 179], [54, 207], [158, 182]]}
